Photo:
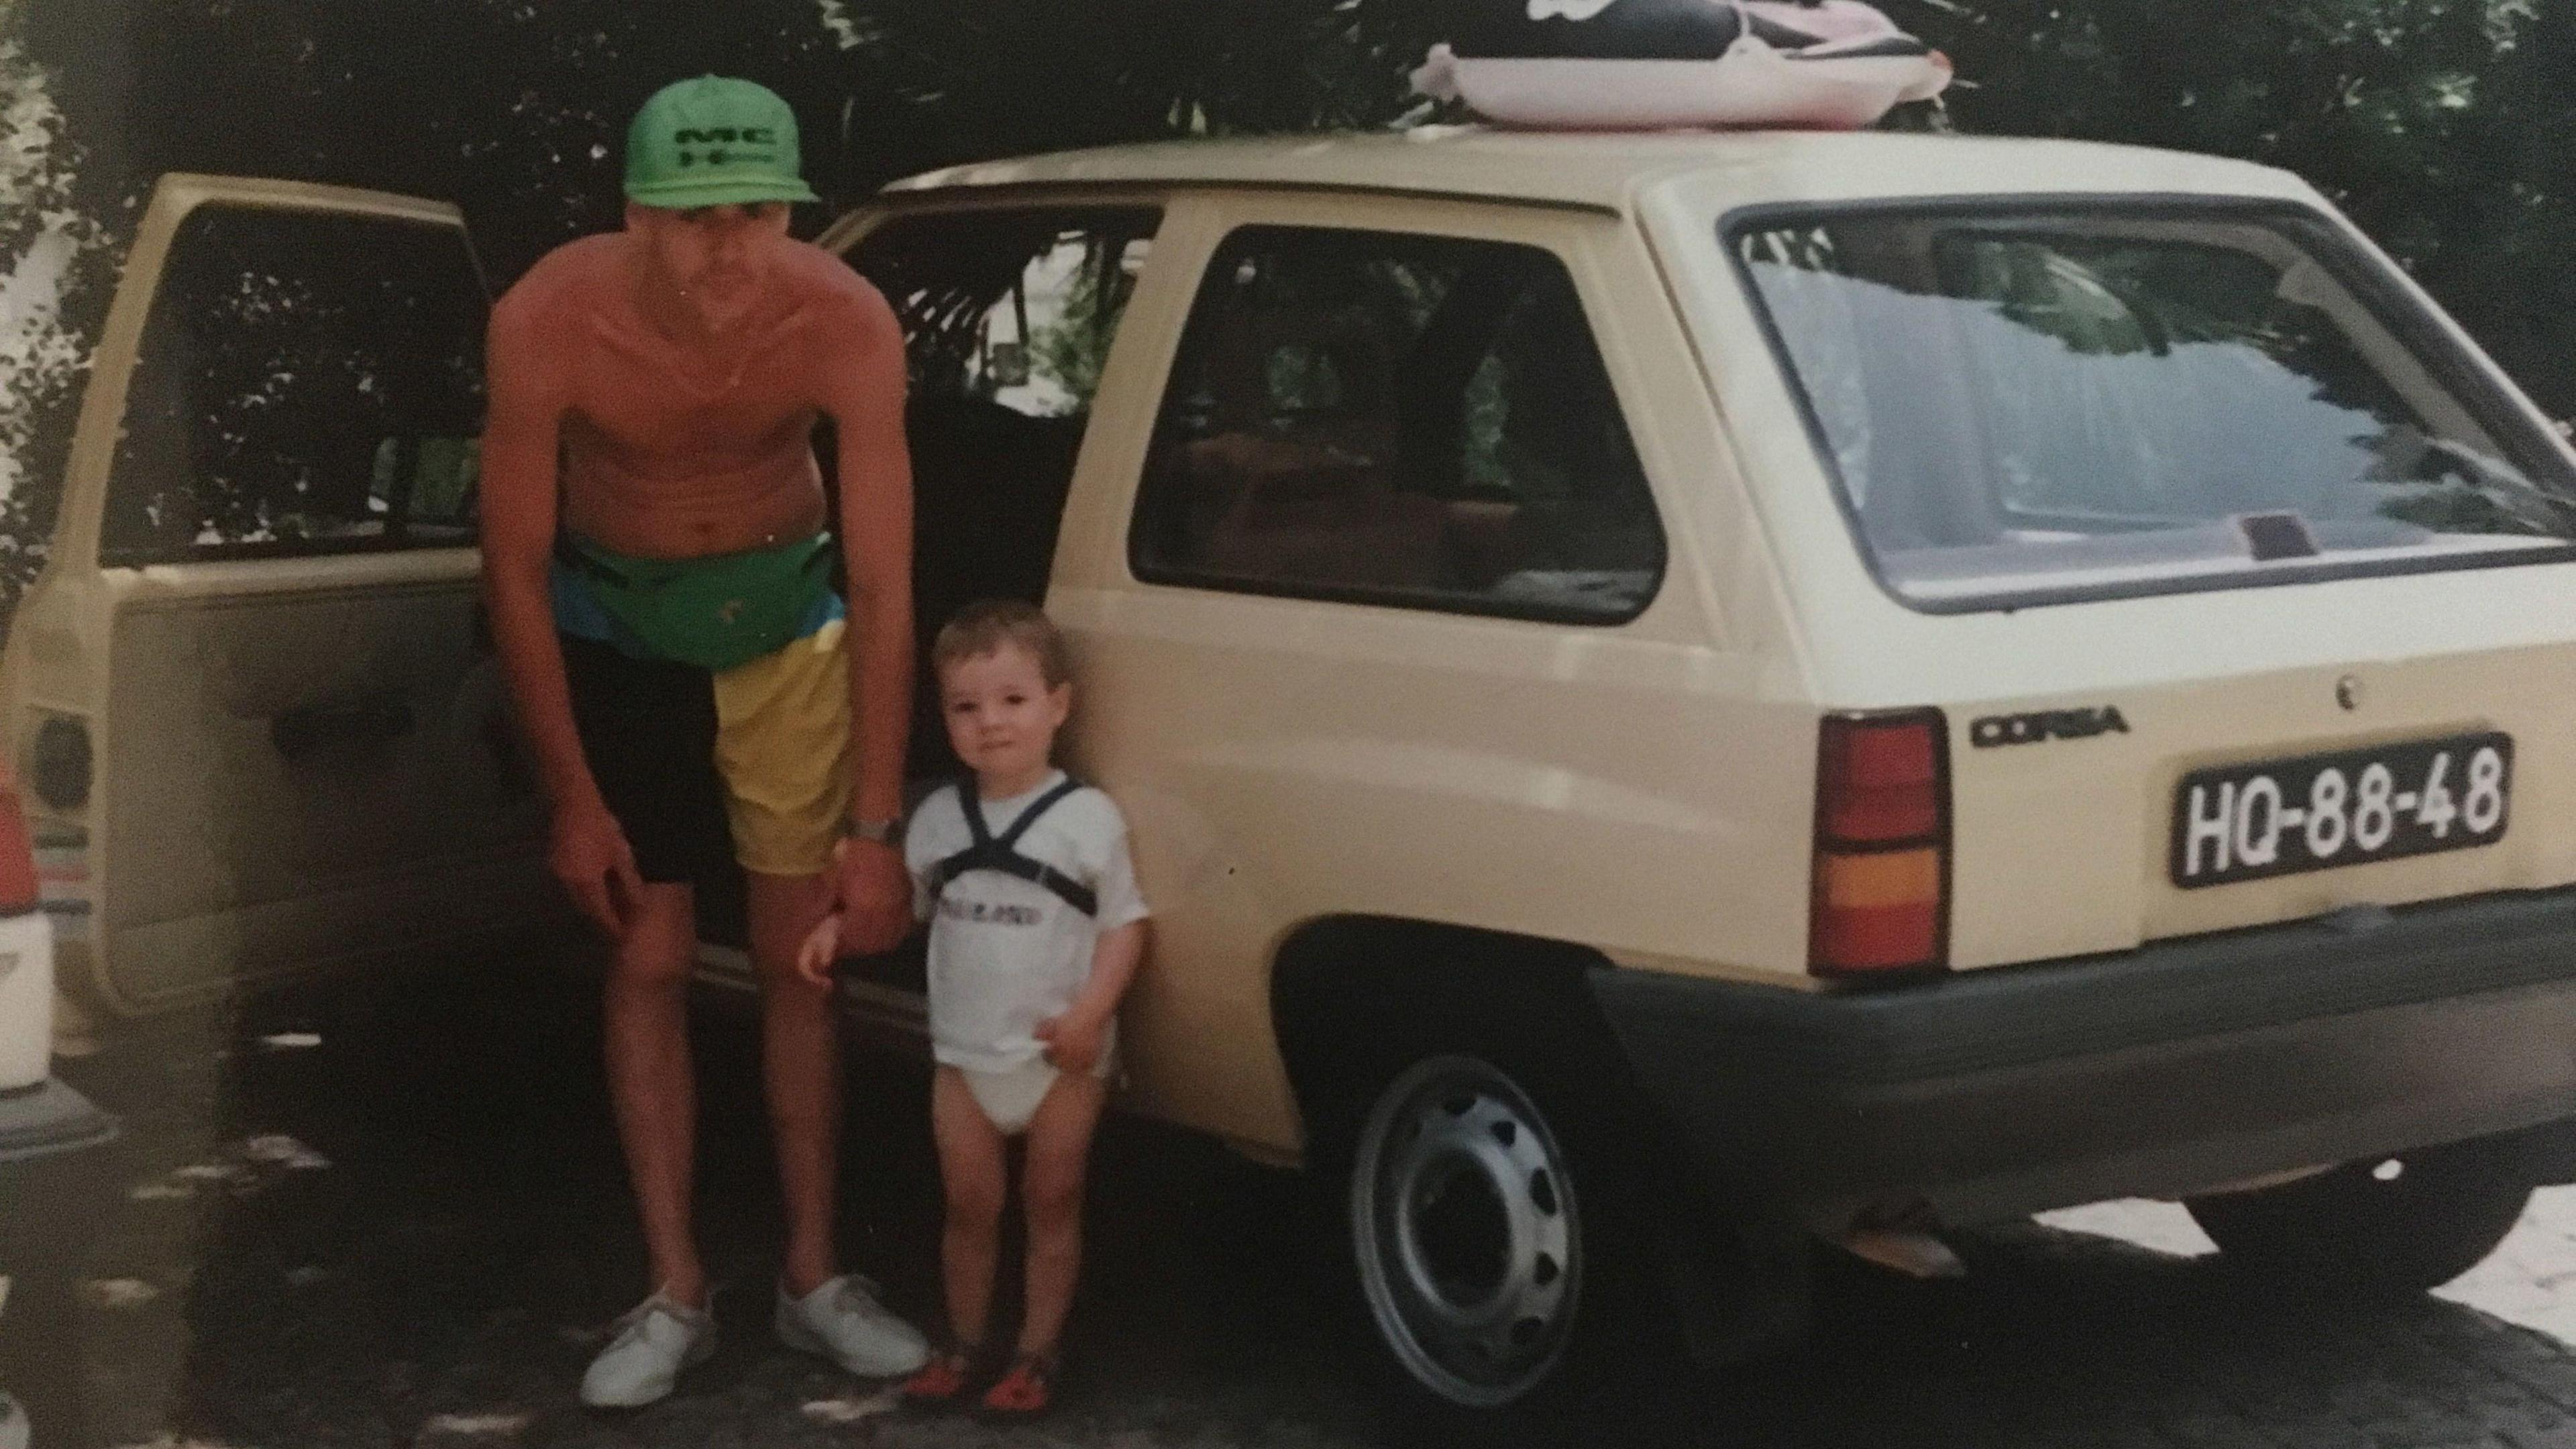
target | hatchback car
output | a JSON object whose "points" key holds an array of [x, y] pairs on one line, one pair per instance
{"points": [[1678, 696]]}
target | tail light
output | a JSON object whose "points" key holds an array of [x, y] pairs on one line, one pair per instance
{"points": [[1881, 901], [19, 892]]}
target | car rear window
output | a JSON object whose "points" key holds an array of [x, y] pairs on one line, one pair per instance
{"points": [[2029, 405]]}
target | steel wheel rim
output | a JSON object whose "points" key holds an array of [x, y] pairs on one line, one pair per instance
{"points": [[1464, 1220]]}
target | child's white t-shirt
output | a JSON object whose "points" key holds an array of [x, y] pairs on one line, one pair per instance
{"points": [[1006, 953]]}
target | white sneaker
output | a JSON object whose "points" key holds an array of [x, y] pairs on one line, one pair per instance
{"points": [[14, 1432], [655, 1342], [843, 1322]]}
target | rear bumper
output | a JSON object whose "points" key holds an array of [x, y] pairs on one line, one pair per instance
{"points": [[2177, 1066], [55, 1185]]}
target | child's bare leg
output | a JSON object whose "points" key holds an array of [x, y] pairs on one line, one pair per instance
{"points": [[1059, 1148], [976, 1179]]}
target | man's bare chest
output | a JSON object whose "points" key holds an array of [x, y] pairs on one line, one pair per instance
{"points": [[659, 401]]}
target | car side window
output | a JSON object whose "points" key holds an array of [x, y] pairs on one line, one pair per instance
{"points": [[1008, 314], [307, 384], [1012, 308], [1399, 419]]}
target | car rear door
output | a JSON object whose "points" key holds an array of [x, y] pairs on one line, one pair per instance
{"points": [[257, 710]]}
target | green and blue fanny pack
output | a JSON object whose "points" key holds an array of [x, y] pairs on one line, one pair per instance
{"points": [[716, 612]]}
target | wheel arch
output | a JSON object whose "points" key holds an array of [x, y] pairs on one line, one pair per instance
{"points": [[1337, 971]]}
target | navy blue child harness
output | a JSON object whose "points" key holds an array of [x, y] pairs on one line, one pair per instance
{"points": [[1000, 852]]}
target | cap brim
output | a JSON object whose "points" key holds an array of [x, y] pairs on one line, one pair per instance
{"points": [[681, 197]]}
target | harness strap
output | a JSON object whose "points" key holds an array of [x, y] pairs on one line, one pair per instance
{"points": [[999, 853]]}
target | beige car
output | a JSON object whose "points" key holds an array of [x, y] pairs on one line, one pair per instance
{"points": [[1678, 696]]}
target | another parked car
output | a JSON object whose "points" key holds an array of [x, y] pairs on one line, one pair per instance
{"points": [[49, 1164], [1679, 696]]}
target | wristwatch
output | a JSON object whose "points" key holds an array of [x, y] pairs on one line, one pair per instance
{"points": [[880, 831]]}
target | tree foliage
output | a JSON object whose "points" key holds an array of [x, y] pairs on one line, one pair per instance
{"points": [[2441, 125], [2444, 127]]}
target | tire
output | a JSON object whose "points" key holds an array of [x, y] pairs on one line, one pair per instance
{"points": [[1496, 1215], [2376, 1228]]}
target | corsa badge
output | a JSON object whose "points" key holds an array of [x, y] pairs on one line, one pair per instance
{"points": [[2044, 725]]}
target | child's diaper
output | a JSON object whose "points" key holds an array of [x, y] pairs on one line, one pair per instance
{"points": [[1010, 1098]]}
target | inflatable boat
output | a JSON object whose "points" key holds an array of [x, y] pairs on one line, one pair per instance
{"points": [[1656, 64]]}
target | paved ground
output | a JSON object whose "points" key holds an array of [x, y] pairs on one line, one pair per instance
{"points": [[2529, 1280], [393, 1217]]}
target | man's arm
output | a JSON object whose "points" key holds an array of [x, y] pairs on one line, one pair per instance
{"points": [[517, 506], [865, 395]]}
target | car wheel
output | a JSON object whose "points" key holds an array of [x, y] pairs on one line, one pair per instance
{"points": [[1498, 1219], [1466, 1223], [2381, 1226]]}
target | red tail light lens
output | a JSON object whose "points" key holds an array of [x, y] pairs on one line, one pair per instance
{"points": [[1881, 899], [1881, 782], [19, 893]]}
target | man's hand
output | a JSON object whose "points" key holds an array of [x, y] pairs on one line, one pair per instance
{"points": [[875, 893], [1072, 1041], [589, 854], [822, 948]]}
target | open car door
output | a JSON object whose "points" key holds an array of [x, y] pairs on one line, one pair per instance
{"points": [[257, 715]]}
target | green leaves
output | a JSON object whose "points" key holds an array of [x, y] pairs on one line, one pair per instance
{"points": [[2444, 126]]}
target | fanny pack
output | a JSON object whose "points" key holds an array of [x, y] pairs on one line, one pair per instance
{"points": [[716, 612]]}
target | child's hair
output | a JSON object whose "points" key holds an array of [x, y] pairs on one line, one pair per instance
{"points": [[988, 624]]}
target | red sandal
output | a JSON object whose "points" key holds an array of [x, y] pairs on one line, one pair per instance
{"points": [[1026, 1390], [943, 1379]]}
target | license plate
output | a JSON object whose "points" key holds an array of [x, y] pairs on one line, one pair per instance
{"points": [[2316, 812]]}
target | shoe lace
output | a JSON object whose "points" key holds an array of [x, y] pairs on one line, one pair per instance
{"points": [[632, 1321], [857, 1296]]}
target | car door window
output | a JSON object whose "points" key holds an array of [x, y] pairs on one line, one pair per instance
{"points": [[307, 384], [1008, 315], [1013, 308], [1400, 419]]}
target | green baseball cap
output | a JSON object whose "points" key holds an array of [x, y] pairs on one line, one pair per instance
{"points": [[713, 141]]}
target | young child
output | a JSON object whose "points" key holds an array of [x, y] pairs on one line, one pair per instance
{"points": [[1035, 930]]}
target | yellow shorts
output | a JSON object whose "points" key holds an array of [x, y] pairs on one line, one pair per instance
{"points": [[783, 750]]}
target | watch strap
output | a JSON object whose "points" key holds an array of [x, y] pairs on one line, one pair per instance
{"points": [[880, 831]]}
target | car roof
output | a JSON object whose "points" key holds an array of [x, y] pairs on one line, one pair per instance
{"points": [[1607, 170]]}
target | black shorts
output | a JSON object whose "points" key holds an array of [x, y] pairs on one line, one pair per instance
{"points": [[648, 730]]}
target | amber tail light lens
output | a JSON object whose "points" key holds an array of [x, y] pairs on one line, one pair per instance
{"points": [[1881, 902]]}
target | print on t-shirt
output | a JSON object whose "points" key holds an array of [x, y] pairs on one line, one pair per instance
{"points": [[956, 907]]}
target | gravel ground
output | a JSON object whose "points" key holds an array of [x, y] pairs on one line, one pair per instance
{"points": [[394, 1215]]}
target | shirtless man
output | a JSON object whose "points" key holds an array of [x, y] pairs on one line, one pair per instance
{"points": [[690, 685]]}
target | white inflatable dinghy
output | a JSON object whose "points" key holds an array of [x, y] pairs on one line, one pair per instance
{"points": [[1661, 64]]}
